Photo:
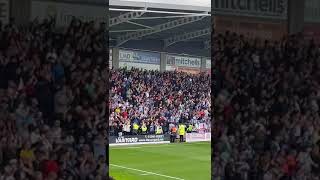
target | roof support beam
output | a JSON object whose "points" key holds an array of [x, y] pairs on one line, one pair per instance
{"points": [[125, 18], [158, 28], [186, 36], [128, 30], [160, 12], [139, 24], [167, 17]]}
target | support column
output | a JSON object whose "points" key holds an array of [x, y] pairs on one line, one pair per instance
{"points": [[163, 61], [115, 58]]}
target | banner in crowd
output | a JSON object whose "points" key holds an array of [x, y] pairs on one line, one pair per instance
{"points": [[4, 11], [64, 12], [198, 137], [183, 64], [272, 9], [110, 58], [139, 59], [251, 27], [138, 139]]}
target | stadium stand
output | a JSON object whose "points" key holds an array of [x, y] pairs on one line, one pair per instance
{"points": [[266, 108], [53, 103], [153, 98]]}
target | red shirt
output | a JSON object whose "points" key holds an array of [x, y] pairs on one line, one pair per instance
{"points": [[50, 166], [125, 114]]}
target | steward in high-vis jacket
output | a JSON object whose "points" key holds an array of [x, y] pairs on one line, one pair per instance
{"points": [[189, 129], [173, 134], [182, 131]]}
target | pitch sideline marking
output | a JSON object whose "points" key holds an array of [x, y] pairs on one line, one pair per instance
{"points": [[147, 146], [123, 167]]}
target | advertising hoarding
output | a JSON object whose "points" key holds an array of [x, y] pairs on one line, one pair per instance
{"points": [[138, 139], [271, 9], [64, 12], [183, 64], [208, 65], [198, 137], [110, 58], [139, 59]]}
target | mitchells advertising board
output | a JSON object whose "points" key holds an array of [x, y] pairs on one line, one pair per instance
{"points": [[272, 9], [183, 64]]}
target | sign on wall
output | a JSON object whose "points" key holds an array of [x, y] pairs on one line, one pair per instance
{"points": [[183, 64], [274, 9], [198, 137], [139, 59], [64, 12], [4, 11], [138, 139], [208, 65], [110, 58]]}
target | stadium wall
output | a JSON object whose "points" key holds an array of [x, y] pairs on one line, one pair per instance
{"points": [[156, 139], [160, 61]]}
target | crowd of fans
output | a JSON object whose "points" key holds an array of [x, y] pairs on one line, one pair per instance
{"points": [[267, 96], [151, 99], [53, 116]]}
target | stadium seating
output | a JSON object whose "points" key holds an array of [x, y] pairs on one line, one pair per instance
{"points": [[157, 99]]}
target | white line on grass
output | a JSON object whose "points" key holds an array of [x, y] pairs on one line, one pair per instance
{"points": [[151, 146], [144, 174], [123, 167]]}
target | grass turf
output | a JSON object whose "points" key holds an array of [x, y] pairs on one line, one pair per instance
{"points": [[180, 161]]}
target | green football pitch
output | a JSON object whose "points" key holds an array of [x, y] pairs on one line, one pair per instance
{"points": [[180, 161]]}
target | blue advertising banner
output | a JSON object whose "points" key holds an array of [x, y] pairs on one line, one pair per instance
{"points": [[139, 59]]}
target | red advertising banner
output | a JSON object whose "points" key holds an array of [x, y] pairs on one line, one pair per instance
{"points": [[251, 27]]}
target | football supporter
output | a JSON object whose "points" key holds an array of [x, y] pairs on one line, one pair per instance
{"points": [[52, 101], [157, 101], [266, 123]]}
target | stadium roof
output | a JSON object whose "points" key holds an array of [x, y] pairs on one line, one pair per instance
{"points": [[162, 25]]}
